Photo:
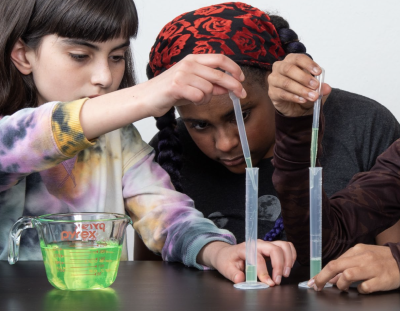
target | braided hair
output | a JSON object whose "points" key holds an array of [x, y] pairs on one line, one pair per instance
{"points": [[274, 43], [291, 44]]}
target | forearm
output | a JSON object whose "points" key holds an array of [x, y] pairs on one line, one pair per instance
{"points": [[209, 253], [114, 110], [166, 219]]}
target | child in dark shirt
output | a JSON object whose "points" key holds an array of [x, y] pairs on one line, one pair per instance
{"points": [[210, 166]]}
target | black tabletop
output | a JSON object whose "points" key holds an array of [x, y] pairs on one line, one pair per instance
{"points": [[154, 285]]}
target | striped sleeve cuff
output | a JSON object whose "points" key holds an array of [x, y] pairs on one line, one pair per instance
{"points": [[67, 129]]}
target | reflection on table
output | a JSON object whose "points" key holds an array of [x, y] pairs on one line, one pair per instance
{"points": [[154, 285]]}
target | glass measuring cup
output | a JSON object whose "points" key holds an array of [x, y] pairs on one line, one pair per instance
{"points": [[81, 251]]}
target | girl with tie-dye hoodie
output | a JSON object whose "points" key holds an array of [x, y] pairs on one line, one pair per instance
{"points": [[67, 143]]}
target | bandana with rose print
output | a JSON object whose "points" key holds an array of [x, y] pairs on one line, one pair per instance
{"points": [[238, 30]]}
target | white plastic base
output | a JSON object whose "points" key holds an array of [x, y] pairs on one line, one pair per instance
{"points": [[304, 285], [251, 285]]}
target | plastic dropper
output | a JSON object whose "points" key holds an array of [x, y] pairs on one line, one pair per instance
{"points": [[241, 128]]}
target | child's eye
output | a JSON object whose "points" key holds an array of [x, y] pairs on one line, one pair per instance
{"points": [[117, 58], [199, 125], [79, 57], [246, 115]]}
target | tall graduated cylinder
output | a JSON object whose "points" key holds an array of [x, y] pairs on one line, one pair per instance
{"points": [[81, 251], [251, 223], [315, 220]]}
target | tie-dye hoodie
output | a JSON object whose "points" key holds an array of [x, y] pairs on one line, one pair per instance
{"points": [[48, 166]]}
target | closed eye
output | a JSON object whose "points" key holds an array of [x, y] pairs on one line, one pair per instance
{"points": [[78, 57], [117, 58]]}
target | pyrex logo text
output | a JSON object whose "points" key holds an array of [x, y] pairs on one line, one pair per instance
{"points": [[83, 231]]}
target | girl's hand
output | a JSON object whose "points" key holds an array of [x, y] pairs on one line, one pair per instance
{"points": [[230, 260], [292, 87], [194, 79], [372, 264]]}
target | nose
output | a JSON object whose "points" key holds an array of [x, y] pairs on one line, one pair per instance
{"points": [[227, 140], [101, 74]]}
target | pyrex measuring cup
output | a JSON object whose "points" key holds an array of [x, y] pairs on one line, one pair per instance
{"points": [[81, 251]]}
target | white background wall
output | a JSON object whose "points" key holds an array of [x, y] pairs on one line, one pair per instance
{"points": [[356, 41]]}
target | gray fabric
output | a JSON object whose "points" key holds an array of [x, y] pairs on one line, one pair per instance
{"points": [[357, 130]]}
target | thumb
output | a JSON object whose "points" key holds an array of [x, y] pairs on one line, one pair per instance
{"points": [[326, 89]]}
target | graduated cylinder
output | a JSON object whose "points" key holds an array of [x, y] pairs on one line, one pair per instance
{"points": [[315, 220], [251, 223]]}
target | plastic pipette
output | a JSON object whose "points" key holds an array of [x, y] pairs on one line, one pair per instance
{"points": [[241, 128], [315, 124]]}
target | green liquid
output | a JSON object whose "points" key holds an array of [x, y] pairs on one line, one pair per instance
{"points": [[248, 162], [251, 273], [315, 266], [81, 265], [314, 146]]}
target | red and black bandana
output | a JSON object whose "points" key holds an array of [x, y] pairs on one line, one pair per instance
{"points": [[238, 30]]}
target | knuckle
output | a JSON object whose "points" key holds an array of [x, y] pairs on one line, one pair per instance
{"points": [[282, 95], [348, 275], [366, 288], [286, 83], [188, 58], [359, 247], [221, 58], [184, 65], [298, 57], [287, 68], [197, 97], [219, 75], [276, 65], [290, 56], [369, 256], [209, 88], [331, 266]]}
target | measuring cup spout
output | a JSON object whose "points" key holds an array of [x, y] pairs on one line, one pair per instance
{"points": [[15, 237]]}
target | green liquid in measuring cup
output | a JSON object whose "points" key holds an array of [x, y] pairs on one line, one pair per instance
{"points": [[81, 265]]}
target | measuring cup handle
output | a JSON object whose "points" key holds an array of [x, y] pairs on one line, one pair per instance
{"points": [[15, 237]]}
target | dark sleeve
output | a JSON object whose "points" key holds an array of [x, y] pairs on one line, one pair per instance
{"points": [[395, 249], [367, 206]]}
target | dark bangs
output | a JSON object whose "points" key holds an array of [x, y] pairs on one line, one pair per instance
{"points": [[91, 20]]}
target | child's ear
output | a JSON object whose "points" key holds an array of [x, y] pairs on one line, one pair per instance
{"points": [[18, 57]]}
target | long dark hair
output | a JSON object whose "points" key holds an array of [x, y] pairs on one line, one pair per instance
{"points": [[92, 20]]}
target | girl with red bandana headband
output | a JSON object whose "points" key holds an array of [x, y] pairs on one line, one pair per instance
{"points": [[202, 151]]}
